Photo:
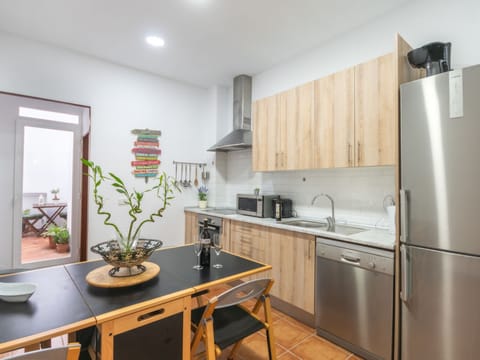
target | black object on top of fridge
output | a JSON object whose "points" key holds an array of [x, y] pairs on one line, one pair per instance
{"points": [[434, 57]]}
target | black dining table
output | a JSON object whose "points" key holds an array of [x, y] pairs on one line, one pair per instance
{"points": [[64, 302]]}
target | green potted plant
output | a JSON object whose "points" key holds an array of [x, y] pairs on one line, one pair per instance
{"points": [[50, 233], [62, 240], [127, 250], [202, 197], [55, 194]]}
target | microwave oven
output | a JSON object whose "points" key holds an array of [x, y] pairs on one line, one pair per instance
{"points": [[256, 205]]}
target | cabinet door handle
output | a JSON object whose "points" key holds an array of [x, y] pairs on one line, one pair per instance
{"points": [[276, 160], [404, 215], [349, 151], [405, 280], [358, 152]]}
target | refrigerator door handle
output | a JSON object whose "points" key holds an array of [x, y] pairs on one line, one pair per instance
{"points": [[404, 215], [405, 274]]}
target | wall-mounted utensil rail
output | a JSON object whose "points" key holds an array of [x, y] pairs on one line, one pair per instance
{"points": [[186, 181]]}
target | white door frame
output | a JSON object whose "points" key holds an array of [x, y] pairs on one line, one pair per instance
{"points": [[75, 214]]}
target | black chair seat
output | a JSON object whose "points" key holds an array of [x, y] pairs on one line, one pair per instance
{"points": [[230, 324], [224, 321]]}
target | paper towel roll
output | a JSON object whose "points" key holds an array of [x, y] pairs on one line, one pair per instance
{"points": [[391, 219]]}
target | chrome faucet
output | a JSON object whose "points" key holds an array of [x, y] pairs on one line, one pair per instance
{"points": [[330, 219]]}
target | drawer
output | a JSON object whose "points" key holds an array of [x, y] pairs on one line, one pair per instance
{"points": [[147, 316]]}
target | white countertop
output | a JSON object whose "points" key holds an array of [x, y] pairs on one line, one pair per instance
{"points": [[375, 237]]}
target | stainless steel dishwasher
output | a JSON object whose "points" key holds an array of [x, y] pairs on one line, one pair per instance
{"points": [[354, 297]]}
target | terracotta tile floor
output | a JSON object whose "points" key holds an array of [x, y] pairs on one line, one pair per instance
{"points": [[36, 248], [293, 339]]}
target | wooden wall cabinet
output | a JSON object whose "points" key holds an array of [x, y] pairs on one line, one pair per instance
{"points": [[264, 141], [375, 112], [334, 120], [345, 119], [283, 130]]}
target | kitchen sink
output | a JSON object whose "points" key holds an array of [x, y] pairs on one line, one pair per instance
{"points": [[306, 223], [312, 224], [346, 230]]}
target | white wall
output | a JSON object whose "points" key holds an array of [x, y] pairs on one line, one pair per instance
{"points": [[121, 99], [358, 193], [419, 22]]}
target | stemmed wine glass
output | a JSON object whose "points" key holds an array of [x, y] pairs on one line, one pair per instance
{"points": [[197, 249], [217, 246]]}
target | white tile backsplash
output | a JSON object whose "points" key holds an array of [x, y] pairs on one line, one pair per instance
{"points": [[358, 192]]}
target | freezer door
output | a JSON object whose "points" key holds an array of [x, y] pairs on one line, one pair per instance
{"points": [[441, 315], [440, 166]]}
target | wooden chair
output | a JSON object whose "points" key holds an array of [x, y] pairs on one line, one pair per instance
{"points": [[69, 352], [225, 320]]}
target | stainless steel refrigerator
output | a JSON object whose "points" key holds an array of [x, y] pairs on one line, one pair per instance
{"points": [[440, 216]]}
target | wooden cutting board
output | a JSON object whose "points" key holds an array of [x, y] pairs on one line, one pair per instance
{"points": [[100, 277]]}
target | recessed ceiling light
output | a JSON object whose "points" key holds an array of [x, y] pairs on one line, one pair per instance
{"points": [[155, 41]]}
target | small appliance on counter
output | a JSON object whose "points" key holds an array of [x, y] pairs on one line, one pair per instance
{"points": [[282, 208], [255, 205]]}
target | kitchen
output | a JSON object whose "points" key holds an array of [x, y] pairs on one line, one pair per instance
{"points": [[358, 192]]}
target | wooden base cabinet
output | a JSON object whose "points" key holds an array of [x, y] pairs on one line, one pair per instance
{"points": [[251, 241], [191, 227], [291, 254]]}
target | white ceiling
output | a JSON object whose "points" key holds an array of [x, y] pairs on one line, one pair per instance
{"points": [[207, 41]]}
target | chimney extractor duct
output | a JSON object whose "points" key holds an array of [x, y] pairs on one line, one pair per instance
{"points": [[241, 136]]}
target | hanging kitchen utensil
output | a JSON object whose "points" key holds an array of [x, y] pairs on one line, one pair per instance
{"points": [[185, 182], [190, 175], [176, 171], [195, 182], [181, 174]]}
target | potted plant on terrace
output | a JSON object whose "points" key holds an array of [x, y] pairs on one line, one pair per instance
{"points": [[51, 231], [202, 197], [55, 194], [62, 240], [128, 250]]}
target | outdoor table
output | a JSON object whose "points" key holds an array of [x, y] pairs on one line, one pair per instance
{"points": [[57, 208]]}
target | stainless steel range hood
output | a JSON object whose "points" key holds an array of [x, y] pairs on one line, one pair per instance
{"points": [[241, 136]]}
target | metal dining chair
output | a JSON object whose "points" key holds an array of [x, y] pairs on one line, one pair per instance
{"points": [[225, 320], [69, 352]]}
